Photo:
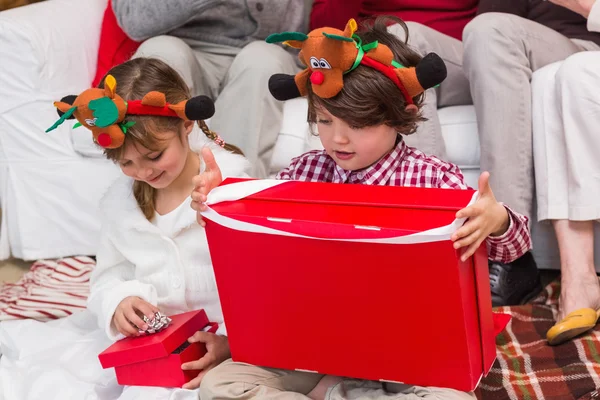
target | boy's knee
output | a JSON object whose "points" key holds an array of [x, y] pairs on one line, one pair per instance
{"points": [[214, 384]]}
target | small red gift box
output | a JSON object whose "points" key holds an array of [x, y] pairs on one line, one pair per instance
{"points": [[352, 280], [155, 360]]}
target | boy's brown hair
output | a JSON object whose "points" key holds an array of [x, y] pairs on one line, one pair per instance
{"points": [[369, 98]]}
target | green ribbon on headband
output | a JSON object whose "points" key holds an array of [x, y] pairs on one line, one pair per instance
{"points": [[360, 54], [362, 49], [396, 64]]}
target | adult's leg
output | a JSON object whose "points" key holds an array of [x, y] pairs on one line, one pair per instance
{"points": [[247, 115], [501, 53], [453, 91], [579, 108], [579, 283], [549, 147], [197, 69]]}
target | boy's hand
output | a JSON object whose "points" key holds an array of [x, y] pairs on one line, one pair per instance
{"points": [[217, 351], [486, 217], [209, 179], [131, 311]]}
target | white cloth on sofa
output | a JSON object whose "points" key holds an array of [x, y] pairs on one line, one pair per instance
{"points": [[59, 359]]}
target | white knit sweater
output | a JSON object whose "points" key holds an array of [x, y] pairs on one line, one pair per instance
{"points": [[137, 259]]}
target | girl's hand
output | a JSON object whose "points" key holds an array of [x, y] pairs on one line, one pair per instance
{"points": [[209, 179], [129, 313], [582, 7], [217, 351], [486, 217]]}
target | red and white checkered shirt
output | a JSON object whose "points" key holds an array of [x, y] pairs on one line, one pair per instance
{"points": [[406, 166]]}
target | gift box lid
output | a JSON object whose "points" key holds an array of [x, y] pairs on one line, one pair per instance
{"points": [[390, 209], [142, 348]]}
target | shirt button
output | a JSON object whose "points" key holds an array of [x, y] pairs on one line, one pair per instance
{"points": [[360, 175], [176, 282], [259, 7]]}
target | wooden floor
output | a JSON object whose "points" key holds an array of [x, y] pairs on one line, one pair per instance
{"points": [[12, 270]]}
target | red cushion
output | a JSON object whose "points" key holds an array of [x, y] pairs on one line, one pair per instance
{"points": [[115, 46]]}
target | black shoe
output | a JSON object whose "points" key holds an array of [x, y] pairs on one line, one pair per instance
{"points": [[514, 283]]}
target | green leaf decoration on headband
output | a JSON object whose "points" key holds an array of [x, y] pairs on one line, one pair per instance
{"points": [[77, 125], [126, 125], [338, 37], [285, 36], [370, 46], [62, 119], [396, 64], [105, 110]]}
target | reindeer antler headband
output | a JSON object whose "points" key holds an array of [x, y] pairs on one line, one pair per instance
{"points": [[103, 111], [330, 53]]}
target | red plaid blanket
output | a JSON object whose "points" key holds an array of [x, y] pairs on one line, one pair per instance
{"points": [[527, 368]]}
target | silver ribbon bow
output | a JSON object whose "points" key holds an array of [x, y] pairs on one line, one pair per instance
{"points": [[156, 324]]}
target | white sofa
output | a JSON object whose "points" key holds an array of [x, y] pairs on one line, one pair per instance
{"points": [[50, 183]]}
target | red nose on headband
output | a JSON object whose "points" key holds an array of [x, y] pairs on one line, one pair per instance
{"points": [[103, 111]]}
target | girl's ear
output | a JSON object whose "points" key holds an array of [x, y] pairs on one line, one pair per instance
{"points": [[188, 126]]}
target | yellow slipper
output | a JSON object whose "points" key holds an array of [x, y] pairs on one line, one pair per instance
{"points": [[574, 324]]}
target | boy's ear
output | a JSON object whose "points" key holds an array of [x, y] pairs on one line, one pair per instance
{"points": [[412, 109]]}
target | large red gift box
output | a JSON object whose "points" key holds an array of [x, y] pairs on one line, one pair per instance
{"points": [[155, 360], [351, 280]]}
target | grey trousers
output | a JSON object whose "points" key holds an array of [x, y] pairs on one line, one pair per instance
{"points": [[452, 92], [492, 69], [502, 51], [237, 79]]}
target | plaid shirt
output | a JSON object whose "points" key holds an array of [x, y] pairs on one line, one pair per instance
{"points": [[405, 166]]}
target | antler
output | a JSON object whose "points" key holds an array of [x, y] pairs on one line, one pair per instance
{"points": [[351, 27], [292, 39]]}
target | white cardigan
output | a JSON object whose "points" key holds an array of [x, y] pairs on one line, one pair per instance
{"points": [[137, 259]]}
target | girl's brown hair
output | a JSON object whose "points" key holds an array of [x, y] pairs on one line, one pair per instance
{"points": [[134, 79], [368, 97]]}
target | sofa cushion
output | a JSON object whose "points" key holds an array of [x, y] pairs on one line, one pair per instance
{"points": [[459, 130], [115, 46]]}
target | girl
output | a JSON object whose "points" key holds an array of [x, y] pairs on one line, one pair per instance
{"points": [[153, 257], [360, 128]]}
